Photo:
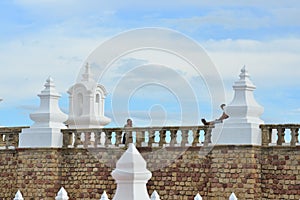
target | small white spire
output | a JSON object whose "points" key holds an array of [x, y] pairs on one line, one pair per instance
{"points": [[244, 68], [155, 196], [50, 80], [233, 197], [49, 88], [87, 76], [244, 73], [104, 196], [18, 196], [62, 194], [198, 197]]}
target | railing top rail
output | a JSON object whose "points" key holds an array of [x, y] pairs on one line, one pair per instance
{"points": [[279, 125], [12, 129], [155, 128]]}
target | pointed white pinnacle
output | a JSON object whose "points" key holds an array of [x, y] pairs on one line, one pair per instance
{"points": [[62, 194], [233, 197], [155, 196], [18, 196], [104, 196], [198, 197]]}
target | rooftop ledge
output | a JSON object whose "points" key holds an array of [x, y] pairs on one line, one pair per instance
{"points": [[154, 137]]}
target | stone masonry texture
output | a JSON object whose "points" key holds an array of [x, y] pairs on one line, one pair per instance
{"points": [[177, 173]]}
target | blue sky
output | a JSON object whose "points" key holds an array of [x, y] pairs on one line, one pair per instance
{"points": [[39, 38]]}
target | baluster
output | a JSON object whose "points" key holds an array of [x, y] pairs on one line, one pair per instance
{"points": [[65, 139], [297, 135], [196, 135], [14, 139], [118, 137], [281, 134], [270, 134], [77, 141], [184, 137], [97, 142], [127, 133], [151, 137], [87, 139], [266, 135], [207, 135], [7, 140], [173, 135], [162, 138], [2, 140], [143, 137], [294, 134], [140, 138], [108, 136], [130, 136], [70, 138]]}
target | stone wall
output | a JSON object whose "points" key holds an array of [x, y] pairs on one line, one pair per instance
{"points": [[280, 173], [8, 173], [178, 173]]}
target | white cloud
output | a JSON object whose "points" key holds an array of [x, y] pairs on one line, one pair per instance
{"points": [[27, 63], [271, 63], [229, 19]]}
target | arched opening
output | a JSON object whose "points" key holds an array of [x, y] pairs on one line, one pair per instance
{"points": [[97, 98], [79, 107], [97, 106]]}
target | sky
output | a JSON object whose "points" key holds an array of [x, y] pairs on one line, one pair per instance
{"points": [[41, 38]]}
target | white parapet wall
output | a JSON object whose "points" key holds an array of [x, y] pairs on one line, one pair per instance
{"points": [[242, 126]]}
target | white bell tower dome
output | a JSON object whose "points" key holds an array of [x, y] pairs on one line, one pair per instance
{"points": [[87, 99]]}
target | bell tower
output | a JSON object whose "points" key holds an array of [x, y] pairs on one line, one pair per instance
{"points": [[87, 98]]}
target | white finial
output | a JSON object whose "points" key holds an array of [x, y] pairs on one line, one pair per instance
{"points": [[244, 73], [87, 76], [155, 196], [18, 196], [104, 196], [62, 194], [50, 79], [87, 68], [198, 197], [233, 197], [49, 87], [244, 68]]}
